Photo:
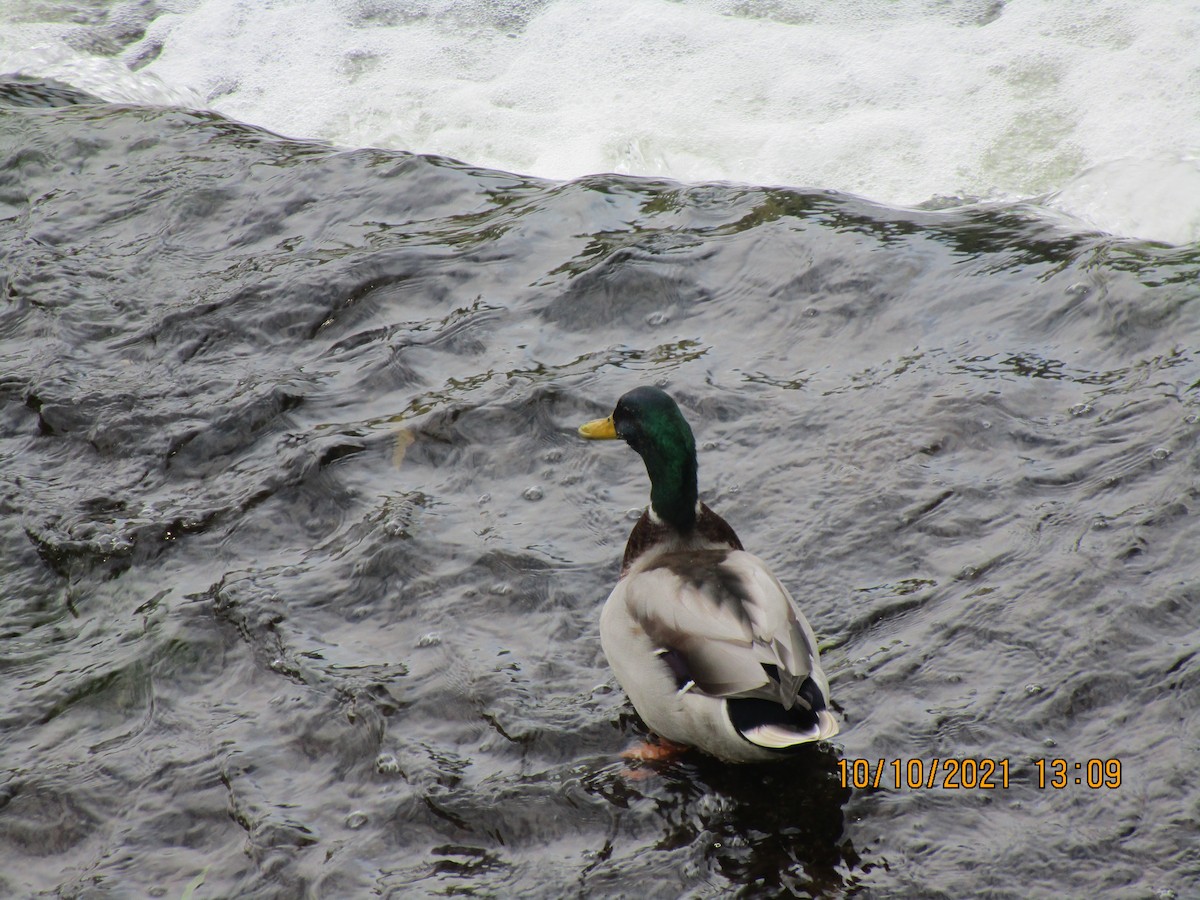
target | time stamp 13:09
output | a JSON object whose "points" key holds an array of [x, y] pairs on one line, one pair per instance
{"points": [[976, 774]]}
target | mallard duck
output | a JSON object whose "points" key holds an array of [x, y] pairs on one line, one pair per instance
{"points": [[707, 643]]}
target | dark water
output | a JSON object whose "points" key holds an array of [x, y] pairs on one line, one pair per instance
{"points": [[302, 561]]}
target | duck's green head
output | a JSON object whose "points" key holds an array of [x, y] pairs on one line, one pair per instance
{"points": [[650, 422]]}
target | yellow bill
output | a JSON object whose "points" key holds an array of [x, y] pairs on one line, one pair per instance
{"points": [[599, 430]]}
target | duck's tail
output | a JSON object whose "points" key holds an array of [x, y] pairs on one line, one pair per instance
{"points": [[769, 725]]}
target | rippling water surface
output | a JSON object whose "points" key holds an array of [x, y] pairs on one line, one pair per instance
{"points": [[302, 559]]}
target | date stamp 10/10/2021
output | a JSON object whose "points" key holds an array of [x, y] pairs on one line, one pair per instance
{"points": [[978, 774]]}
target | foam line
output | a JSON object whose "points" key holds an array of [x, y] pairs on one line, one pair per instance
{"points": [[902, 101]]}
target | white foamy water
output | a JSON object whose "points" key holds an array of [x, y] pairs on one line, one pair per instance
{"points": [[1092, 109]]}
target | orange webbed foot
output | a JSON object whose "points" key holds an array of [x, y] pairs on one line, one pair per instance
{"points": [[647, 754], [657, 749]]}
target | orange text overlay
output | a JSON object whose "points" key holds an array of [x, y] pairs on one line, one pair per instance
{"points": [[978, 774]]}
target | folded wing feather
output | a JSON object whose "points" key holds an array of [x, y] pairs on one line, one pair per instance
{"points": [[727, 617]]}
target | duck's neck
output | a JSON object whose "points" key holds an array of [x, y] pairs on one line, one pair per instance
{"points": [[673, 491]]}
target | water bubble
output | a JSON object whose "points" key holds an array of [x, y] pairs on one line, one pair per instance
{"points": [[395, 526], [1192, 419], [658, 318], [633, 514], [387, 764], [532, 493], [356, 820], [1078, 289], [1160, 453], [484, 499], [429, 639], [1049, 742], [811, 312], [112, 543], [709, 806], [710, 445], [985, 424], [1080, 409], [1033, 689]]}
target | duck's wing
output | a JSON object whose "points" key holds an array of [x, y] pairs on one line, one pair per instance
{"points": [[723, 623]]}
